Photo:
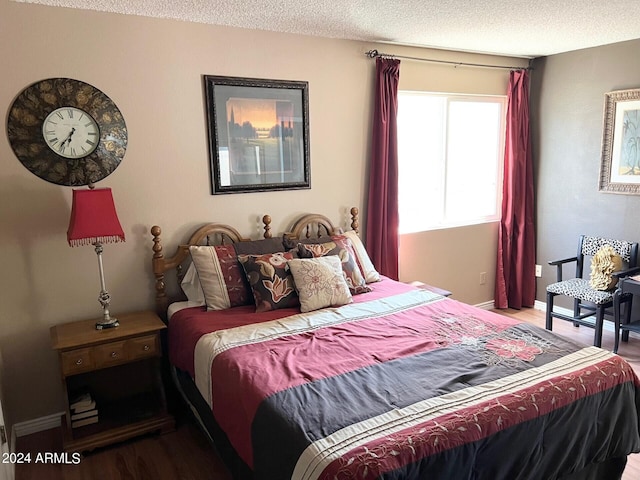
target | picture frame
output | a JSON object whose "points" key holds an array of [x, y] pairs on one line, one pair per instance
{"points": [[620, 162], [258, 134]]}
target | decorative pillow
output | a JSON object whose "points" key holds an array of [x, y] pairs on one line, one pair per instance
{"points": [[603, 264], [191, 286], [260, 247], [362, 257], [270, 280], [320, 282], [221, 277], [341, 247]]}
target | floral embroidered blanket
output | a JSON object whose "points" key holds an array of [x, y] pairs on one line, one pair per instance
{"points": [[411, 385]]}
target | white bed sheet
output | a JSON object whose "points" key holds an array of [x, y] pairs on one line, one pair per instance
{"points": [[177, 306]]}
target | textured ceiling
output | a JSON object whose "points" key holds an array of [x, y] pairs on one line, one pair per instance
{"points": [[521, 28]]}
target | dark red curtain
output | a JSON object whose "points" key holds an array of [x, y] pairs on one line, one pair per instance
{"points": [[515, 273], [382, 206]]}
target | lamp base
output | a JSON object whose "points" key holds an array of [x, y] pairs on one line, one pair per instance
{"points": [[111, 323]]}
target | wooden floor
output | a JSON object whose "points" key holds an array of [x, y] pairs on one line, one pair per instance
{"points": [[186, 454]]}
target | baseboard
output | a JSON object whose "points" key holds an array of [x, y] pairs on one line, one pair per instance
{"points": [[37, 425], [485, 305], [540, 305]]}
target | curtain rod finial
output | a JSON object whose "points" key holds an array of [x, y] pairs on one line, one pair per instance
{"points": [[372, 53]]}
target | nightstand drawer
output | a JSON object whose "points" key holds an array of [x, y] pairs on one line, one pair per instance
{"points": [[76, 361], [143, 347], [109, 354]]}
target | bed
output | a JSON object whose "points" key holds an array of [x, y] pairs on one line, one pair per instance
{"points": [[386, 381]]}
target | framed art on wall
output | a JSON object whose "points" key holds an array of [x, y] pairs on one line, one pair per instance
{"points": [[258, 134], [620, 163]]}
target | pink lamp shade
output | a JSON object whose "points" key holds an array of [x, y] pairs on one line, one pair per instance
{"points": [[93, 218]]}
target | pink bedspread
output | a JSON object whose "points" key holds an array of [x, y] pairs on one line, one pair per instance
{"points": [[405, 384], [188, 325]]}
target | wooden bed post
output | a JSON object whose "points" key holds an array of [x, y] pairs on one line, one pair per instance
{"points": [[158, 272], [354, 219], [266, 220]]}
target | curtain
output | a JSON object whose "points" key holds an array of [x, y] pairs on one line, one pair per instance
{"points": [[382, 205], [515, 273]]}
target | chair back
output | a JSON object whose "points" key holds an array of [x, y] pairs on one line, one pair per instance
{"points": [[589, 246]]}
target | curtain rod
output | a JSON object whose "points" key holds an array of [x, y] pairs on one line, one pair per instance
{"points": [[375, 53]]}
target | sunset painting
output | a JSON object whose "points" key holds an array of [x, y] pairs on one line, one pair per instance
{"points": [[260, 135]]}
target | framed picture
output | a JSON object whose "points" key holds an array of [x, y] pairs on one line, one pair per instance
{"points": [[258, 134], [620, 163]]}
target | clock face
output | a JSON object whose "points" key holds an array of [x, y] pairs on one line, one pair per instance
{"points": [[71, 132], [67, 132]]}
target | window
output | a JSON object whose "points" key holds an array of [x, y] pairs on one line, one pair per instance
{"points": [[450, 154]]}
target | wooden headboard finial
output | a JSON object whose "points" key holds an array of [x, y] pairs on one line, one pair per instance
{"points": [[267, 226], [158, 272], [354, 219], [157, 245]]}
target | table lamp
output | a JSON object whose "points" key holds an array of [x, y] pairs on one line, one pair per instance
{"points": [[94, 221]]}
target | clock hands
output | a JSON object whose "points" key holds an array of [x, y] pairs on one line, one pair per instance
{"points": [[67, 140]]}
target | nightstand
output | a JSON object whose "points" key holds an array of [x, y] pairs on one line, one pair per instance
{"points": [[120, 368]]}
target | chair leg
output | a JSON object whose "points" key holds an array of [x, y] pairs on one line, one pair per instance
{"points": [[627, 317], [597, 341], [549, 321], [616, 321], [576, 311]]}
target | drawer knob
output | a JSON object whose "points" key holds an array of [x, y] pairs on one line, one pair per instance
{"points": [[114, 354], [146, 348], [79, 361]]}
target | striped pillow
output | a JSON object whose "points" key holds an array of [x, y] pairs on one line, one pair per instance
{"points": [[221, 277]]}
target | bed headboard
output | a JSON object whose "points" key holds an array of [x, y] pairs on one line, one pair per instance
{"points": [[209, 234], [305, 226], [316, 225]]}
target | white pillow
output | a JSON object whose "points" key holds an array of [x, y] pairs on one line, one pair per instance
{"points": [[212, 278], [191, 285], [366, 265], [320, 282]]}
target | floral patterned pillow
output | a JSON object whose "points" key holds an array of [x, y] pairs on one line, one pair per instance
{"points": [[320, 282], [270, 280], [341, 247]]}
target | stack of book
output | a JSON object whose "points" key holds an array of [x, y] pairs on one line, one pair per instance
{"points": [[83, 410]]}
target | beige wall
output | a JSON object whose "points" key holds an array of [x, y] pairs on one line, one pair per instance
{"points": [[153, 70], [453, 259]]}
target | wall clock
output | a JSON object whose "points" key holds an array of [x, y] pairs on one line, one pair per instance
{"points": [[67, 132]]}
